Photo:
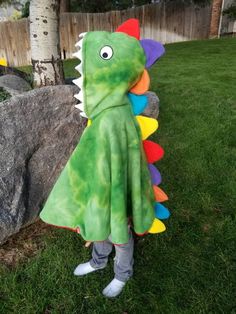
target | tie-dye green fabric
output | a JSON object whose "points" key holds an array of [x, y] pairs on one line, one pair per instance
{"points": [[106, 179]]}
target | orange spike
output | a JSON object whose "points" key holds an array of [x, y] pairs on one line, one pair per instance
{"points": [[160, 195], [143, 84]]}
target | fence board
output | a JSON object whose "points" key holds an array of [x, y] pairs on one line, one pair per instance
{"points": [[167, 23]]}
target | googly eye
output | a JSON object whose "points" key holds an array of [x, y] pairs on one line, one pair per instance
{"points": [[106, 53]]}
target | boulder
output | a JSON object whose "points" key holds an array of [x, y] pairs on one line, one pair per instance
{"points": [[152, 109], [13, 84], [38, 132], [10, 70]]}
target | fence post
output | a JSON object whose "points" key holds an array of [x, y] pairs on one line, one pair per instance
{"points": [[216, 13]]}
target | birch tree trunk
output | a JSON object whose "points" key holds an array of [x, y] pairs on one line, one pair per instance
{"points": [[45, 42]]}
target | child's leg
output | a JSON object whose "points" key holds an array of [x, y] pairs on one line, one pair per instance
{"points": [[100, 253], [123, 267]]}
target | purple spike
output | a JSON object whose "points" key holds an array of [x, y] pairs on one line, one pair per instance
{"points": [[155, 174], [153, 51]]}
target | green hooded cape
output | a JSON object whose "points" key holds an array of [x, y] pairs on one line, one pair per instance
{"points": [[106, 182]]}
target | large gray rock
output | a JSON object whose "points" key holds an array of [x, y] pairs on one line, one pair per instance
{"points": [[38, 132], [13, 84], [152, 110], [10, 70]]}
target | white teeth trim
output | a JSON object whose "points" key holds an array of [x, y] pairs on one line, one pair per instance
{"points": [[78, 54], [82, 34], [75, 54], [80, 107], [79, 43], [83, 114], [79, 68], [78, 82], [79, 96]]}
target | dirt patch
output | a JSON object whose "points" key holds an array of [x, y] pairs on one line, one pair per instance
{"points": [[24, 244]]}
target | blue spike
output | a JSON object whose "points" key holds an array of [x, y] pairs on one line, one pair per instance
{"points": [[138, 102], [161, 211]]}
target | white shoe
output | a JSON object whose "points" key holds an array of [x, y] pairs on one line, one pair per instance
{"points": [[114, 288], [83, 269]]}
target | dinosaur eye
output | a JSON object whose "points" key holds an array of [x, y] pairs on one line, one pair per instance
{"points": [[106, 53]]}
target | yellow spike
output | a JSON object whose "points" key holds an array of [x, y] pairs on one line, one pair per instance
{"points": [[157, 226], [89, 122], [147, 126], [3, 62]]}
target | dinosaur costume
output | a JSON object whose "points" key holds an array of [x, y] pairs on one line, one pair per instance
{"points": [[110, 179]]}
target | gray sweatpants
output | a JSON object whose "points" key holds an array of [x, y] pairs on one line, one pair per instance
{"points": [[123, 261]]}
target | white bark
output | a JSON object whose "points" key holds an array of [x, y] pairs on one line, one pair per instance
{"points": [[45, 44]]}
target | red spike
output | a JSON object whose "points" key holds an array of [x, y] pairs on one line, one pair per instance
{"points": [[153, 151], [130, 27]]}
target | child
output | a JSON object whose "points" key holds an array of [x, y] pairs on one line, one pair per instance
{"points": [[110, 178]]}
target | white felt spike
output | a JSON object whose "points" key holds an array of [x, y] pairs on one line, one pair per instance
{"points": [[79, 68], [81, 35], [80, 54], [79, 96], [83, 114], [74, 81], [78, 82], [80, 107], [76, 97], [79, 43], [76, 54]]}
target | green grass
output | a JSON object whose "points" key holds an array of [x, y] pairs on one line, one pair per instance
{"points": [[191, 268], [69, 68], [4, 94]]}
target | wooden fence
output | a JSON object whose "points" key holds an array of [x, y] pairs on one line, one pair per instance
{"points": [[167, 23]]}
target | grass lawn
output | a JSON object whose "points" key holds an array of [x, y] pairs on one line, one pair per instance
{"points": [[191, 268], [3, 94]]}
